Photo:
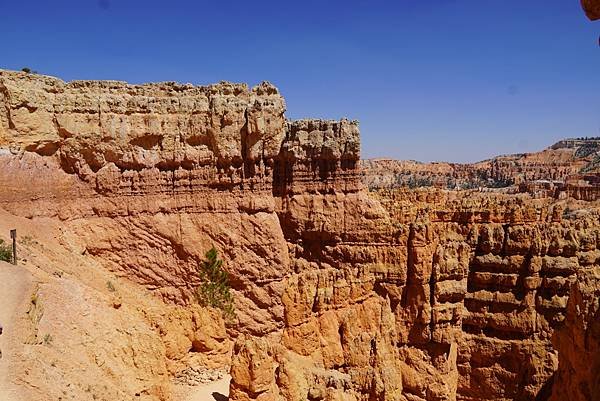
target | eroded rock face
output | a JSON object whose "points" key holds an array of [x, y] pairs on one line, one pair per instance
{"points": [[340, 294], [453, 296], [93, 125], [578, 343], [151, 176], [569, 168], [592, 8]]}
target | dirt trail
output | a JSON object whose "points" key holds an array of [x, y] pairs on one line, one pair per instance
{"points": [[215, 391], [15, 283]]}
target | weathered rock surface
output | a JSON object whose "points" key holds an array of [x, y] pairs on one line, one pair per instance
{"points": [[80, 332], [592, 8], [151, 176], [457, 296], [578, 343], [570, 167], [340, 294]]}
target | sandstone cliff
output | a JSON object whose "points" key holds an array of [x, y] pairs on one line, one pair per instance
{"points": [[340, 294], [578, 343]]}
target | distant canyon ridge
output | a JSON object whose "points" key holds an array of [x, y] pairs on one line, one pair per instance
{"points": [[569, 165]]}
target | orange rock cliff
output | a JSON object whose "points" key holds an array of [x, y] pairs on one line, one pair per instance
{"points": [[340, 293]]}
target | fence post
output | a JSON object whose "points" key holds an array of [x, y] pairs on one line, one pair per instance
{"points": [[13, 235]]}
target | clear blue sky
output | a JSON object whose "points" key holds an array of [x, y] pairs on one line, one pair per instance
{"points": [[457, 80]]}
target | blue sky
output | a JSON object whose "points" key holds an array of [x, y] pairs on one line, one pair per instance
{"points": [[456, 80]]}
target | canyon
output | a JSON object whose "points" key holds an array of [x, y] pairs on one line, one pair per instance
{"points": [[570, 166], [352, 279]]}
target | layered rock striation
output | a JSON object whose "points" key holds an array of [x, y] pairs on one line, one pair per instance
{"points": [[339, 294], [456, 296], [151, 176], [567, 165]]}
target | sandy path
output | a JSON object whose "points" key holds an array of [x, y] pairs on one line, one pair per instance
{"points": [[215, 391], [15, 283]]}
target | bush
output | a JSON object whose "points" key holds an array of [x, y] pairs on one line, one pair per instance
{"points": [[5, 252], [48, 339], [28, 70], [110, 286], [214, 289]]}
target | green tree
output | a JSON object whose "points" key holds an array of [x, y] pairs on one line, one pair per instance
{"points": [[214, 288]]}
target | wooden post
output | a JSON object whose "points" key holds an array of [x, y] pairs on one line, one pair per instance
{"points": [[13, 235]]}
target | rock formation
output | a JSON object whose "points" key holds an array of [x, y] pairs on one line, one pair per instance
{"points": [[571, 166], [578, 343], [591, 8], [340, 294]]}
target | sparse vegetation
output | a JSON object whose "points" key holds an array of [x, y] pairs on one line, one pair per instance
{"points": [[419, 182], [568, 213], [587, 149], [110, 286], [588, 138], [5, 251], [35, 313], [500, 183], [591, 166], [28, 70], [48, 339], [469, 185], [35, 310], [34, 299], [27, 240], [214, 288]]}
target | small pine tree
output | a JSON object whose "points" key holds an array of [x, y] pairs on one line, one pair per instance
{"points": [[214, 289]]}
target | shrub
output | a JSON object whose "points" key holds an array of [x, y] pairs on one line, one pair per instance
{"points": [[28, 70], [214, 288], [5, 252], [27, 240], [568, 213], [48, 339]]}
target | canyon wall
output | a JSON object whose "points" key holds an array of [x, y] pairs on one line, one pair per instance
{"points": [[456, 296], [564, 161], [152, 176], [339, 294]]}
